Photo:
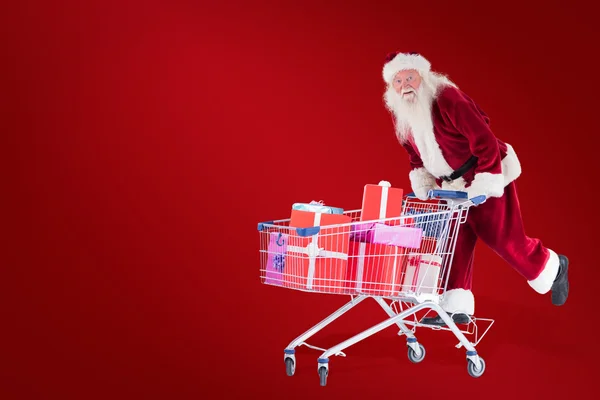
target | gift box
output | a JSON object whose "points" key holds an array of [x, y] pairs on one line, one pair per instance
{"points": [[318, 261], [434, 225], [317, 206], [381, 201], [362, 232], [375, 269], [395, 235], [276, 258], [422, 274], [407, 221], [429, 246]]}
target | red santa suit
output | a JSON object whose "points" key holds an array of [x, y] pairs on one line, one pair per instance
{"points": [[459, 130]]}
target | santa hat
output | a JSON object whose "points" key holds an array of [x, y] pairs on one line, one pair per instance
{"points": [[396, 62]]}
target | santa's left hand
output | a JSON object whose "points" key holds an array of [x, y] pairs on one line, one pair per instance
{"points": [[471, 194]]}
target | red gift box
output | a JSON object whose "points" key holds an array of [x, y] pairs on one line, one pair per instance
{"points": [[375, 269], [318, 262], [381, 201], [407, 221], [305, 219]]}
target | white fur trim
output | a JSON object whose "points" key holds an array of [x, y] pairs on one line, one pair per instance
{"points": [[543, 283], [511, 170], [403, 62], [511, 167], [490, 185], [431, 154], [421, 182], [458, 301]]}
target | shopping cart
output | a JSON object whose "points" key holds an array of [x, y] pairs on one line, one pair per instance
{"points": [[407, 281]]}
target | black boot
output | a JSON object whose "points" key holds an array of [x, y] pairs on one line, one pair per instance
{"points": [[560, 287], [438, 321]]}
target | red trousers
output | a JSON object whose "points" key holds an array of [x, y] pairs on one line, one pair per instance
{"points": [[498, 223]]}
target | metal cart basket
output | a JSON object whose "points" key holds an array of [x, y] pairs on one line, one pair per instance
{"points": [[407, 281]]}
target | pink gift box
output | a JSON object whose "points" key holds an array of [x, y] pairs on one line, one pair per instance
{"points": [[401, 236], [362, 232]]}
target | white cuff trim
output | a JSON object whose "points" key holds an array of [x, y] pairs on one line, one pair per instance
{"points": [[490, 185], [511, 166], [543, 283], [458, 301]]}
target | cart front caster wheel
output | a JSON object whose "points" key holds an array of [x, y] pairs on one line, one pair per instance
{"points": [[476, 370], [414, 357], [323, 372], [290, 367]]}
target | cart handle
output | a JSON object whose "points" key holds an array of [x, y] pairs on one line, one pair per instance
{"points": [[303, 232], [453, 194]]}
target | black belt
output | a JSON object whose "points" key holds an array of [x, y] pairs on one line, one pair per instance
{"points": [[461, 171]]}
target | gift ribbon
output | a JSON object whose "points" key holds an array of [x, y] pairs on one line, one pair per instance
{"points": [[314, 206], [312, 262], [394, 270], [313, 251], [432, 263], [361, 265], [279, 238], [384, 199]]}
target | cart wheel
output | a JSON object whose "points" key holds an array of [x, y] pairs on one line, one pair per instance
{"points": [[413, 357], [474, 370], [290, 368], [323, 372]]}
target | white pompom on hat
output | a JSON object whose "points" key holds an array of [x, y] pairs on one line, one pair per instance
{"points": [[396, 62]]}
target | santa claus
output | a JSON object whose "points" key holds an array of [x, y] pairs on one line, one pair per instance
{"points": [[450, 146]]}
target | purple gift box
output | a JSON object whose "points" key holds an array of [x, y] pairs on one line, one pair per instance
{"points": [[362, 232], [401, 236], [276, 259]]}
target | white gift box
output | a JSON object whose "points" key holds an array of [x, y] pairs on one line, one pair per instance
{"points": [[423, 278]]}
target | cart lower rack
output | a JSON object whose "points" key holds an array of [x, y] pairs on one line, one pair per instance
{"points": [[402, 263]]}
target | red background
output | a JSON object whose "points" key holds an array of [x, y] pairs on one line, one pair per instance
{"points": [[145, 140]]}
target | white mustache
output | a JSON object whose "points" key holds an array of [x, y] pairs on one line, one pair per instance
{"points": [[408, 91]]}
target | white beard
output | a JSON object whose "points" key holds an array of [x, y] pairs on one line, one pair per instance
{"points": [[415, 119], [412, 117]]}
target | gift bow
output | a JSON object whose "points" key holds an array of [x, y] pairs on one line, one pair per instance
{"points": [[384, 198], [313, 250]]}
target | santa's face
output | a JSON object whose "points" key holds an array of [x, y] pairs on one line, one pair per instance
{"points": [[406, 84], [410, 99]]}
